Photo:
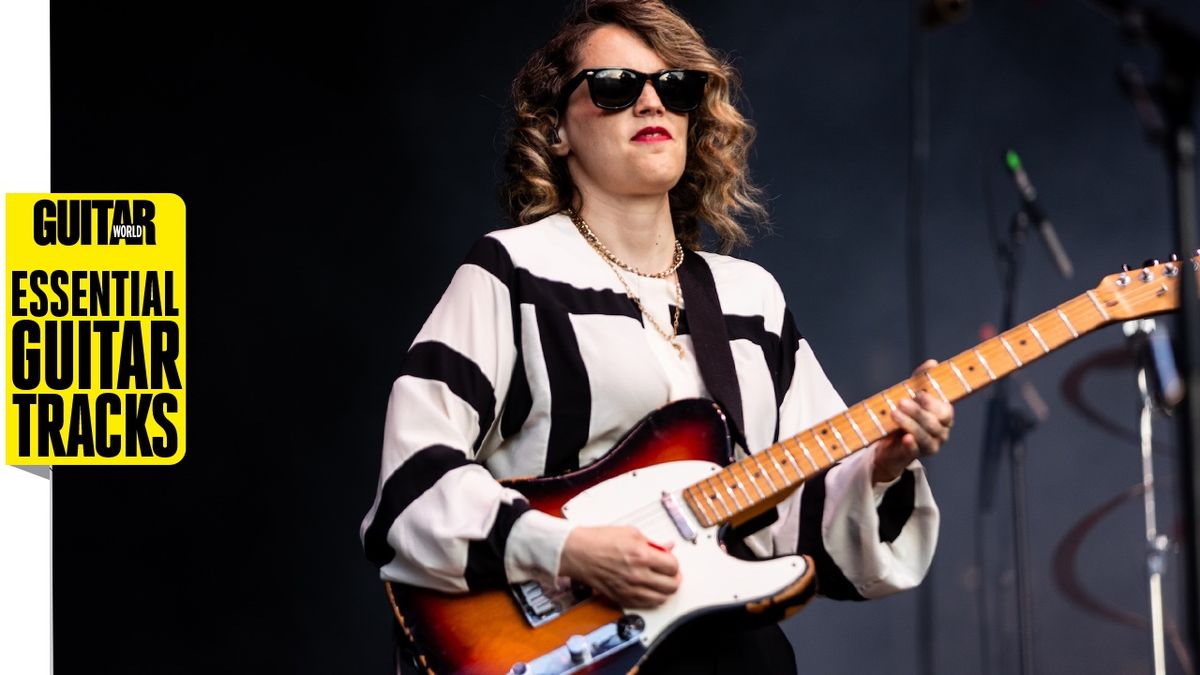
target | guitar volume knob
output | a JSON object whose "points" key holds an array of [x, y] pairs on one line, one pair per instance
{"points": [[577, 647]]}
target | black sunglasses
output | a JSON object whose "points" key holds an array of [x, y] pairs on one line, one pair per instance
{"points": [[618, 88]]}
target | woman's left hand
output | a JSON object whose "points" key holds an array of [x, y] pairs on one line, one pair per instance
{"points": [[924, 425]]}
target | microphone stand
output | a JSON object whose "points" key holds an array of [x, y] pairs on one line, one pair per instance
{"points": [[1004, 434], [1175, 94], [1150, 377]]}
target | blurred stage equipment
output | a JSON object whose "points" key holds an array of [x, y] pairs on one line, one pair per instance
{"points": [[1158, 377], [1033, 211], [1008, 424], [1149, 352], [1174, 96], [1159, 384], [1066, 577]]}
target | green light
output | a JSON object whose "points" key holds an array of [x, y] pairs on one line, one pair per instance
{"points": [[1014, 162]]}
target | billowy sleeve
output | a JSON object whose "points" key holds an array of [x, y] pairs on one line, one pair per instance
{"points": [[867, 540], [439, 519]]}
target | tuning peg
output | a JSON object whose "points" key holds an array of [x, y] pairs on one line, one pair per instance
{"points": [[1125, 268], [1150, 262], [1174, 258]]}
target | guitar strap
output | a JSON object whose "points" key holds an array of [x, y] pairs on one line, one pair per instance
{"points": [[710, 337]]}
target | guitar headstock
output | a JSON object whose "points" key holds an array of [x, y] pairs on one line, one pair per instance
{"points": [[1139, 292]]}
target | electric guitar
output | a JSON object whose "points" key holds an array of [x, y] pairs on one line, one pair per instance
{"points": [[673, 477]]}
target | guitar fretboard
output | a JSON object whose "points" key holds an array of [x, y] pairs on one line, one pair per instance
{"points": [[764, 478]]}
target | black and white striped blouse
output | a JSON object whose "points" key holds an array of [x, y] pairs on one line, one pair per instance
{"points": [[535, 362]]}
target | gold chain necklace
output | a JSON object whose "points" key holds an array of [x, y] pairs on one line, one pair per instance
{"points": [[586, 231], [613, 263]]}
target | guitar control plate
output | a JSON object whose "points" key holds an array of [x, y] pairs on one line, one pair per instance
{"points": [[615, 644]]}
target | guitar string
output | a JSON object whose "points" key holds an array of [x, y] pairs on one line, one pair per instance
{"points": [[654, 513]]}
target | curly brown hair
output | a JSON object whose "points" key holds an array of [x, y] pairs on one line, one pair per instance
{"points": [[714, 187]]}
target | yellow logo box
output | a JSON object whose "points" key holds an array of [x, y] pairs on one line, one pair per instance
{"points": [[97, 357]]}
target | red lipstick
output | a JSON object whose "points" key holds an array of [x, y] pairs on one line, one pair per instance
{"points": [[651, 135]]}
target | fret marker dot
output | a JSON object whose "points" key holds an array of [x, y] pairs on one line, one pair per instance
{"points": [[882, 411], [824, 432], [1022, 343]]}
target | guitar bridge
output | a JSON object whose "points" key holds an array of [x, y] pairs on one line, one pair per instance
{"points": [[541, 605]]}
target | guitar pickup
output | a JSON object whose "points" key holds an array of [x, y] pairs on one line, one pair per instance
{"points": [[681, 524]]}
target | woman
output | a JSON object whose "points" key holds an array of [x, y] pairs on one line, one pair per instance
{"points": [[557, 335]]}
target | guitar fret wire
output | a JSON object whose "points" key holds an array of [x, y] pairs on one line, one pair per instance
{"points": [[1099, 307], [959, 375], [717, 494], [714, 499], [765, 471], [738, 484], [1038, 336], [878, 425], [889, 402], [753, 482], [838, 435], [936, 387], [732, 494], [721, 498], [1011, 352], [711, 508], [792, 459], [808, 455], [911, 394], [1062, 315], [854, 426], [778, 466], [823, 448], [983, 362]]}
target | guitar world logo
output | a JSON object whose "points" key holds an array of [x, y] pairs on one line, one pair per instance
{"points": [[94, 222]]}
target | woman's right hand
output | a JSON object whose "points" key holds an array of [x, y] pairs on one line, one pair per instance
{"points": [[622, 564]]}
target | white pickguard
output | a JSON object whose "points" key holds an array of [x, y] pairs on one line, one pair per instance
{"points": [[712, 579]]}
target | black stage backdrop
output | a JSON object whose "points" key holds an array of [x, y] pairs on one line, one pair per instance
{"points": [[338, 160]]}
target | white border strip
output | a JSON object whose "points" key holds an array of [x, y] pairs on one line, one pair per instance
{"points": [[25, 582]]}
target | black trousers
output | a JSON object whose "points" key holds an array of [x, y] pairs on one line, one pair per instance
{"points": [[712, 645]]}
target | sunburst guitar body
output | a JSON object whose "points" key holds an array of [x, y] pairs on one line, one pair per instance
{"points": [[529, 628]]}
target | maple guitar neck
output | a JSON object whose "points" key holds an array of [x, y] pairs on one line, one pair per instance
{"points": [[756, 483]]}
